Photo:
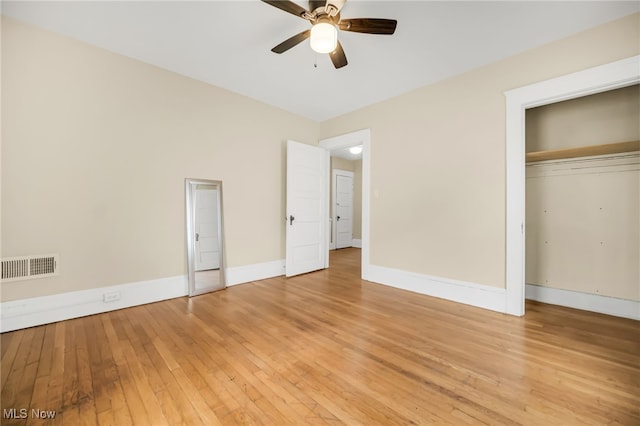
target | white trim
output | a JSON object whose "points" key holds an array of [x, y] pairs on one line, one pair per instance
{"points": [[255, 272], [473, 294], [330, 244], [356, 242], [325, 209], [35, 311], [593, 80], [25, 313], [597, 164], [585, 301], [360, 137]]}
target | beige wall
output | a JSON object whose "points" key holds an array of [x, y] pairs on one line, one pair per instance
{"points": [[607, 117], [583, 228], [438, 158], [342, 164], [95, 150]]}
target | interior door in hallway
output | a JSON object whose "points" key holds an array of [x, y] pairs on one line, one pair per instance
{"points": [[343, 208]]}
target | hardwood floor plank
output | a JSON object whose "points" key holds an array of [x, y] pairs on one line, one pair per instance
{"points": [[230, 398], [329, 366], [243, 336], [11, 344], [186, 375], [244, 374], [110, 401], [84, 401], [59, 350], [71, 386], [43, 375], [47, 352], [326, 348], [255, 338], [134, 400], [176, 393], [29, 373]]}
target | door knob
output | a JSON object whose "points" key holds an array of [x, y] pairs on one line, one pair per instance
{"points": [[197, 237], [338, 218], [291, 219]]}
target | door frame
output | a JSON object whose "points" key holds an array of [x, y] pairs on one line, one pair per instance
{"points": [[359, 137], [334, 198], [614, 75]]}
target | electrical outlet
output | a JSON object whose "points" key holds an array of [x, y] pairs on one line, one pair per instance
{"points": [[111, 297]]}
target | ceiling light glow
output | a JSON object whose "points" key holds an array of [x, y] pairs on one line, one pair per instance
{"points": [[355, 149], [324, 37]]}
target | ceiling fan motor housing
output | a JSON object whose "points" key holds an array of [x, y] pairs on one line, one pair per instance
{"points": [[333, 7]]}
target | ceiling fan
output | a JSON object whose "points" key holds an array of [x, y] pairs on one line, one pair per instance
{"points": [[324, 17]]}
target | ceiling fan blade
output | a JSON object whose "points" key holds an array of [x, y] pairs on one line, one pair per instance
{"points": [[290, 42], [369, 25], [338, 57], [287, 6]]}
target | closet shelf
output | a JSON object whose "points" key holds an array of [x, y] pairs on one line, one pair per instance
{"points": [[583, 151]]}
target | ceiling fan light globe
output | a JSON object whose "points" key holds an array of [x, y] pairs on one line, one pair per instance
{"points": [[324, 37]]}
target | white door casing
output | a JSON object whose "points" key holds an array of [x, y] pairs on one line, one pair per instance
{"points": [[614, 75], [342, 208], [207, 241], [307, 208], [358, 137]]}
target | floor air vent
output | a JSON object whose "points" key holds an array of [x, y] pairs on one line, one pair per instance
{"points": [[29, 267]]}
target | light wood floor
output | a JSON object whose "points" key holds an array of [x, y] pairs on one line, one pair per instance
{"points": [[325, 348]]}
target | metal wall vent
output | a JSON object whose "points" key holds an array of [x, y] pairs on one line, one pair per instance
{"points": [[29, 267]]}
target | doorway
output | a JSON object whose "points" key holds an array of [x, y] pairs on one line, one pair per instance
{"points": [[346, 208], [344, 142], [594, 80]]}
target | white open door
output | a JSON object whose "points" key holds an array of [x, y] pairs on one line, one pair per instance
{"points": [[307, 202]]}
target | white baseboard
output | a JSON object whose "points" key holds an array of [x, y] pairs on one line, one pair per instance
{"points": [[585, 301], [357, 243], [478, 295], [258, 271], [25, 313], [35, 311]]}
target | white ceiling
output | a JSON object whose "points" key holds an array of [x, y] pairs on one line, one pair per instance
{"points": [[346, 154], [227, 43]]}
